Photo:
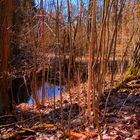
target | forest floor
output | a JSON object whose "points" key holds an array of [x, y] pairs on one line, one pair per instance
{"points": [[122, 118]]}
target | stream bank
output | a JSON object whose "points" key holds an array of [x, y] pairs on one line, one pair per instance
{"points": [[121, 120]]}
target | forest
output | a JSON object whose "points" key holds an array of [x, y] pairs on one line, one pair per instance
{"points": [[69, 69]]}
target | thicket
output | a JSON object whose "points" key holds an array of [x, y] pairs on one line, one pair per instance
{"points": [[102, 34]]}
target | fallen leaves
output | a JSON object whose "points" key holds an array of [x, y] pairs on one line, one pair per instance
{"points": [[81, 136], [75, 135]]}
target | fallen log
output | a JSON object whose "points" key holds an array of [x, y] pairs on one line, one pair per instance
{"points": [[27, 131], [123, 84], [43, 126], [19, 134]]}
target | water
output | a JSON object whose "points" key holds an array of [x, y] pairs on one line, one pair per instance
{"points": [[50, 89], [23, 95]]}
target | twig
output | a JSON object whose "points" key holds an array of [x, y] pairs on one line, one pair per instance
{"points": [[6, 116], [19, 122]]}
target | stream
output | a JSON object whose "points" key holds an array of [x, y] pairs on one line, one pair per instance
{"points": [[22, 94], [50, 89]]}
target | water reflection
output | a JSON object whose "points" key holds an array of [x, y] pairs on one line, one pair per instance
{"points": [[21, 93], [51, 91]]}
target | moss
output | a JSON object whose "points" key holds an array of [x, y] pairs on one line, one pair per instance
{"points": [[117, 86], [128, 72], [138, 72], [131, 72]]}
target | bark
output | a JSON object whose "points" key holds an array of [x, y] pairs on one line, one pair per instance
{"points": [[90, 73], [6, 11]]}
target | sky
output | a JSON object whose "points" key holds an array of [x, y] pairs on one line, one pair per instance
{"points": [[76, 6], [76, 2]]}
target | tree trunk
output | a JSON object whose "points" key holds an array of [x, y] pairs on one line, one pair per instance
{"points": [[92, 43], [6, 11]]}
